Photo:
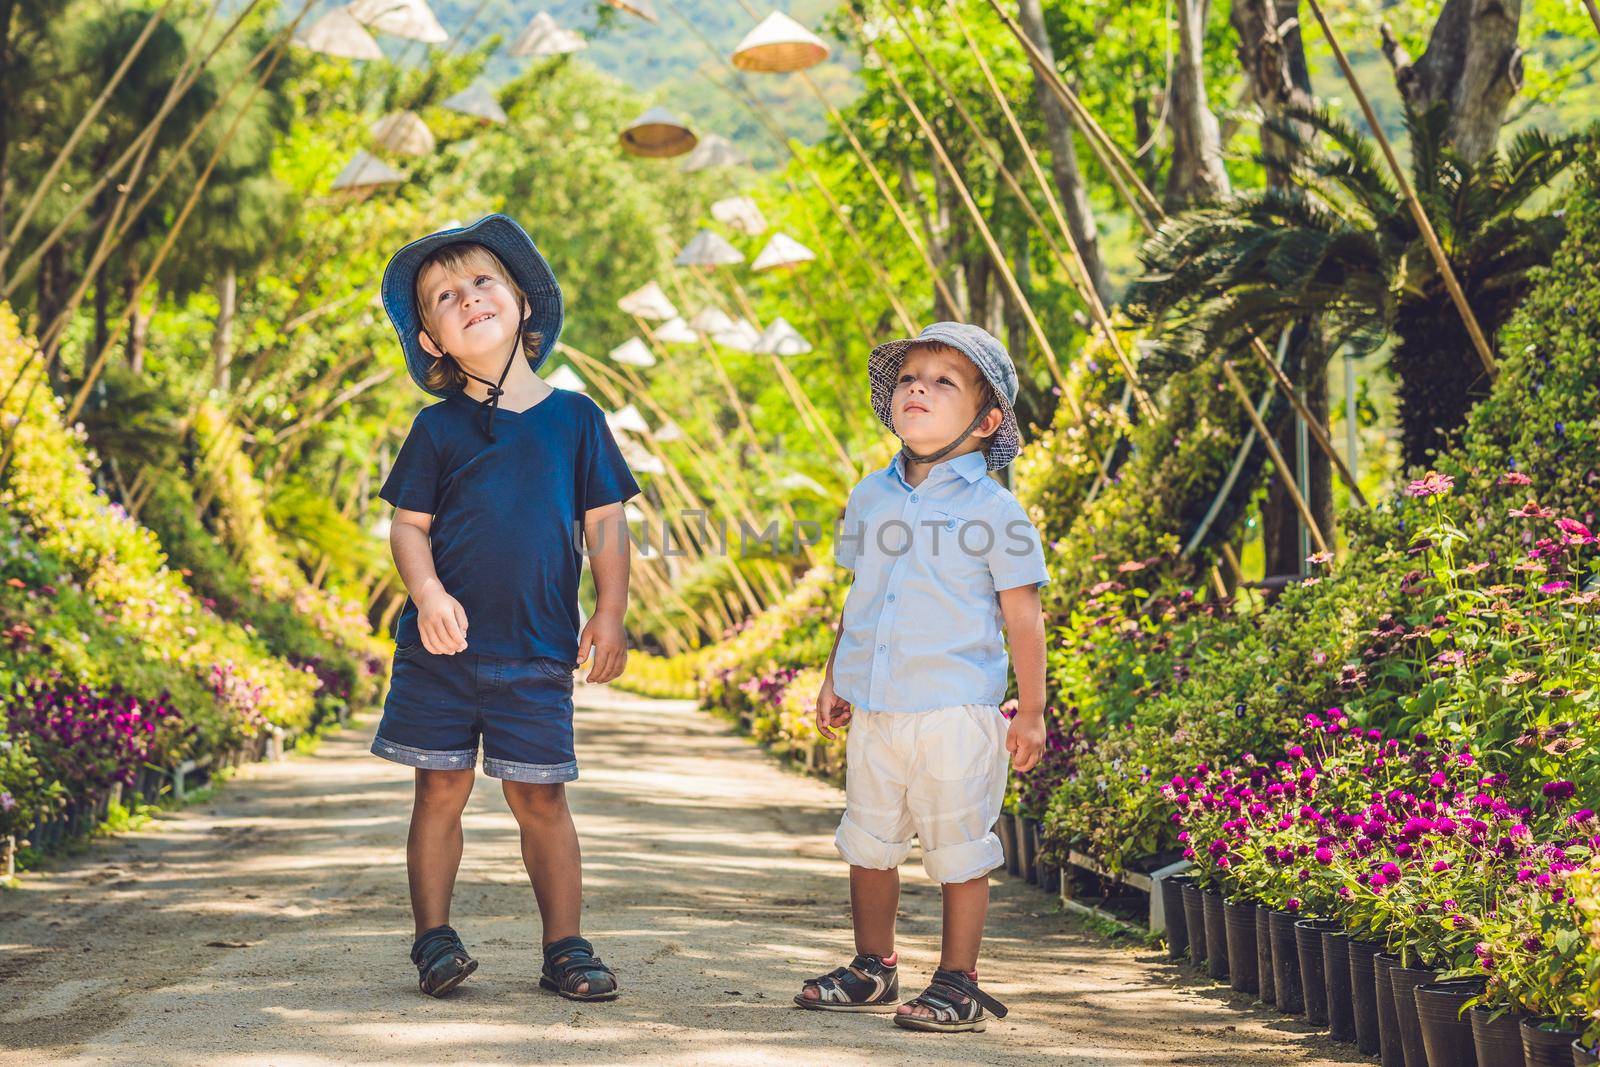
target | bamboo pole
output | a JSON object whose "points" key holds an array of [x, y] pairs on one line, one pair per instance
{"points": [[1277, 457], [1594, 12]]}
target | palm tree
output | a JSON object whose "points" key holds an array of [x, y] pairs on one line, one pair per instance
{"points": [[1340, 246]]}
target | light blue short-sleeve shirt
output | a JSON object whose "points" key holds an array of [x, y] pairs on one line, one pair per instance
{"points": [[922, 623]]}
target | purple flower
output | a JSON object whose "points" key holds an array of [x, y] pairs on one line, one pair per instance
{"points": [[1324, 855], [1558, 790]]}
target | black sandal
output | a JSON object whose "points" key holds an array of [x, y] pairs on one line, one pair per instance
{"points": [[571, 962], [868, 984], [957, 1005], [442, 961]]}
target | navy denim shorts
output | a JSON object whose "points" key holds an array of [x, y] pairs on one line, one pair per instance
{"points": [[438, 706]]}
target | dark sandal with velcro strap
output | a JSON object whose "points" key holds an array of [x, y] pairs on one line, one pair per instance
{"points": [[868, 984], [957, 1005], [571, 962], [442, 961]]}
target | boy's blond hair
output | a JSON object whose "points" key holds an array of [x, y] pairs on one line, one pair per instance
{"points": [[444, 372]]}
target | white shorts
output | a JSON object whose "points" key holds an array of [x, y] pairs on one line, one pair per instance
{"points": [[940, 775]]}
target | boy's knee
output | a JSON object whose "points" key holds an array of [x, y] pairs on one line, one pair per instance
{"points": [[535, 800], [444, 789]]}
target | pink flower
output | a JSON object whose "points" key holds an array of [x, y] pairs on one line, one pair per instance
{"points": [[1431, 484], [1515, 478], [1316, 559], [1554, 587], [1575, 533]]}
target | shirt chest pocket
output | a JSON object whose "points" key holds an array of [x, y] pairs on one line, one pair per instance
{"points": [[958, 541]]}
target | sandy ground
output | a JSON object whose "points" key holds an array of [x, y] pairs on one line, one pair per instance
{"points": [[270, 925]]}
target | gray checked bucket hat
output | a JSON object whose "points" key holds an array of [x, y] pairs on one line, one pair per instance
{"points": [[986, 353], [502, 236]]}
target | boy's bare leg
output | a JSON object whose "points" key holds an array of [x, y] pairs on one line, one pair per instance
{"points": [[874, 900], [433, 847], [550, 853], [966, 906]]}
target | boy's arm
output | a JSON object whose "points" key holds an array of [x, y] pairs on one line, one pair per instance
{"points": [[1025, 632], [605, 535], [832, 713], [441, 621]]}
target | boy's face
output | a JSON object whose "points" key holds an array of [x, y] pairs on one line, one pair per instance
{"points": [[936, 394], [470, 310]]}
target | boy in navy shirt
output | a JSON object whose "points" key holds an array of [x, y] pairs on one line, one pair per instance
{"points": [[496, 490]]}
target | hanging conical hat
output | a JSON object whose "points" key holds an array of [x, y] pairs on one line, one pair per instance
{"points": [[545, 37], [645, 9], [708, 249], [634, 353], [676, 332], [741, 213], [713, 150], [742, 336], [670, 431], [564, 377], [338, 34], [628, 420], [782, 339], [657, 134], [403, 132], [479, 102], [412, 19], [648, 302], [778, 45], [366, 171], [639, 458], [710, 320], [782, 251]]}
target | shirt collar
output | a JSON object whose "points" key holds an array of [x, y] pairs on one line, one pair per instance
{"points": [[969, 466]]}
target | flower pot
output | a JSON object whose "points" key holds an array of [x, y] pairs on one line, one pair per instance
{"points": [[1194, 917], [1216, 936], [1007, 831], [1287, 993], [1543, 1047], [1172, 913], [1497, 1039], [1390, 1050], [1313, 988], [1027, 854], [1264, 954], [1446, 1030], [1583, 1056], [1405, 981], [1363, 995], [1336, 979], [1240, 922]]}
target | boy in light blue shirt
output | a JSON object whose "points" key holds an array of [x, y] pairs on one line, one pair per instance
{"points": [[944, 557]]}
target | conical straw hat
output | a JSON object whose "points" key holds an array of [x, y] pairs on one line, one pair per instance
{"points": [[366, 171], [709, 249], [782, 339], [713, 150], [405, 133], [742, 336], [648, 302], [741, 213], [676, 332], [778, 45], [669, 431], [338, 34], [412, 19], [628, 420], [634, 353], [711, 320], [476, 100], [782, 251], [645, 9], [546, 37], [639, 459], [657, 134], [564, 377]]}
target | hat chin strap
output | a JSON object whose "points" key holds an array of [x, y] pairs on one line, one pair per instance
{"points": [[492, 402], [934, 457]]}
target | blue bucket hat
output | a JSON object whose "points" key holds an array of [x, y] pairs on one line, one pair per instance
{"points": [[499, 234], [986, 353]]}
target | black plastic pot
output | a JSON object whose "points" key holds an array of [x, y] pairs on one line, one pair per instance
{"points": [[1308, 943], [1241, 926], [1027, 857], [1498, 1040], [1006, 828], [1172, 912], [1336, 976], [1194, 918], [1287, 994], [1267, 992], [1390, 1050], [1583, 1057], [1405, 981], [1049, 873], [1364, 995], [1546, 1048], [1216, 936], [1446, 1030]]}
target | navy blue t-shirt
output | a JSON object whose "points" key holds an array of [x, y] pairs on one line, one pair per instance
{"points": [[508, 514]]}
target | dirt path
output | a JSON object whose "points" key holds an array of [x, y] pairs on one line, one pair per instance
{"points": [[713, 888]]}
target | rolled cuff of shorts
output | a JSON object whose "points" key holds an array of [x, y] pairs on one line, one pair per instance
{"points": [[963, 862], [861, 849], [537, 773], [455, 760]]}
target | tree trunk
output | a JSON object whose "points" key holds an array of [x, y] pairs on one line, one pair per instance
{"points": [[222, 336], [1197, 172], [139, 328], [1472, 64], [1064, 155]]}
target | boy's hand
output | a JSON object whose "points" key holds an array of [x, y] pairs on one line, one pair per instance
{"points": [[1025, 740], [605, 634], [832, 713], [442, 622]]}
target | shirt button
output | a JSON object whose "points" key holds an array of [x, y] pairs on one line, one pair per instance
{"points": [[881, 648], [913, 498], [891, 598]]}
